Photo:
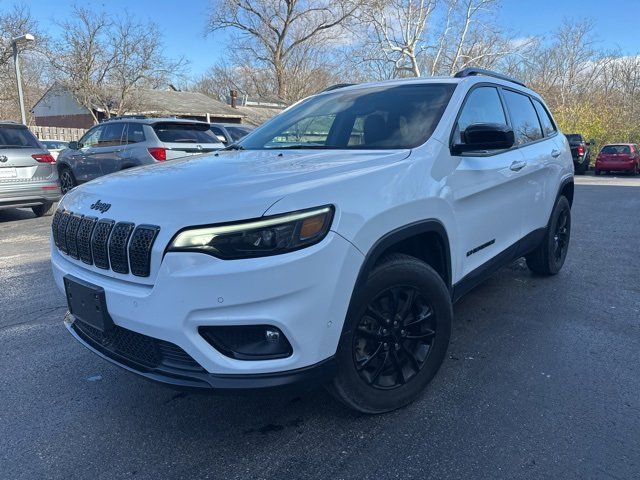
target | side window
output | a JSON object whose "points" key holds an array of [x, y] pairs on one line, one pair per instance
{"points": [[92, 137], [547, 124], [135, 133], [482, 106], [526, 125], [111, 135]]}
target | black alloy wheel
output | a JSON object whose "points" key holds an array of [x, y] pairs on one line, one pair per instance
{"points": [[394, 337], [561, 236], [67, 181]]}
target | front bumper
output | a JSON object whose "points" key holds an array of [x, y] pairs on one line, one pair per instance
{"points": [[304, 293], [28, 194], [175, 368]]}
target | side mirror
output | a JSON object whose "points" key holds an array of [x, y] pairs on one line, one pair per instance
{"points": [[74, 145], [485, 136], [591, 142], [221, 138]]}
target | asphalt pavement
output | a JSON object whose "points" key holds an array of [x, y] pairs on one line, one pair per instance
{"points": [[542, 380]]}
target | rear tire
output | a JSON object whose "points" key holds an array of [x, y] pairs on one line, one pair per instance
{"points": [[549, 256], [44, 210], [581, 169], [395, 337], [597, 172]]}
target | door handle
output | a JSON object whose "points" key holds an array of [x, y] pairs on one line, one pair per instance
{"points": [[518, 165], [555, 153]]}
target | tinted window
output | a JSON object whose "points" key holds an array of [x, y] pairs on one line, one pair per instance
{"points": [[573, 138], [381, 117], [236, 133], [135, 133], [613, 149], [184, 133], [91, 138], [17, 137], [111, 135], [523, 117], [482, 106], [545, 119]]}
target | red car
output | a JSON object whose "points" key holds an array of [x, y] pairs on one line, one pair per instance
{"points": [[623, 157]]}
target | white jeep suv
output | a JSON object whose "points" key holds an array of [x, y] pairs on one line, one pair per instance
{"points": [[325, 247]]}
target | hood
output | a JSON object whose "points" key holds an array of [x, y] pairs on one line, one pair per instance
{"points": [[213, 188]]}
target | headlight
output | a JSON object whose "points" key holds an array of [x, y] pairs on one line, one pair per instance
{"points": [[257, 238]]}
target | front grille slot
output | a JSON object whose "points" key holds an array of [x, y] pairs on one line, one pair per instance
{"points": [[121, 247], [118, 247], [62, 230], [54, 227], [99, 243], [71, 236], [140, 249], [83, 239]]}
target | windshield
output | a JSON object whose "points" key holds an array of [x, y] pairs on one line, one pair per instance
{"points": [[17, 137], [184, 133], [381, 117], [613, 149]]}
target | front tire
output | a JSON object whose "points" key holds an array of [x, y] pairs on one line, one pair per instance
{"points": [[67, 180], [548, 258], [395, 338], [44, 210]]}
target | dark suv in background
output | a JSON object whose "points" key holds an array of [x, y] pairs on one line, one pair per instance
{"points": [[229, 133], [580, 151], [122, 143], [28, 177]]}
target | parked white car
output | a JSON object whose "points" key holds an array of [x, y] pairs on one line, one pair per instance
{"points": [[326, 247], [54, 146]]}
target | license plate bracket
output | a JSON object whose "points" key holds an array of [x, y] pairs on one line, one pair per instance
{"points": [[87, 303]]}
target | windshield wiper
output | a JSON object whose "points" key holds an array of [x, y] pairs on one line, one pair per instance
{"points": [[302, 146], [234, 146]]}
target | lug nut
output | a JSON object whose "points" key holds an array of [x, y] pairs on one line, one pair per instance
{"points": [[403, 333]]}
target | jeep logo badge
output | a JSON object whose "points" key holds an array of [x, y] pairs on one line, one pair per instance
{"points": [[100, 206], [3, 158]]}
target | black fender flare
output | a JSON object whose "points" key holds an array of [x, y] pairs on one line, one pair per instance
{"points": [[395, 236]]}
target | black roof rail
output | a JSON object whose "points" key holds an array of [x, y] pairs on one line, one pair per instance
{"points": [[472, 72], [337, 86], [124, 117]]}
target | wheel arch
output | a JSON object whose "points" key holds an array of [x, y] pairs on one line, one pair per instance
{"points": [[566, 189], [426, 240]]}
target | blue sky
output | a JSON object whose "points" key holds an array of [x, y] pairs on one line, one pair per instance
{"points": [[182, 22]]}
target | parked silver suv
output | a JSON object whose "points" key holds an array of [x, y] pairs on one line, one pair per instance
{"points": [[126, 142], [28, 177]]}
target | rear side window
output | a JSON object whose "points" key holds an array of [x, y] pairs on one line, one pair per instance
{"points": [[17, 137], [523, 117], [111, 135], [135, 133], [184, 133], [545, 119], [483, 105]]}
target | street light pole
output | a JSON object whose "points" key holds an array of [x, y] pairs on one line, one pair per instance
{"points": [[16, 60]]}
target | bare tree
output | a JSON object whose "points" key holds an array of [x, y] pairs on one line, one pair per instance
{"points": [[104, 60], [272, 32], [399, 27]]}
